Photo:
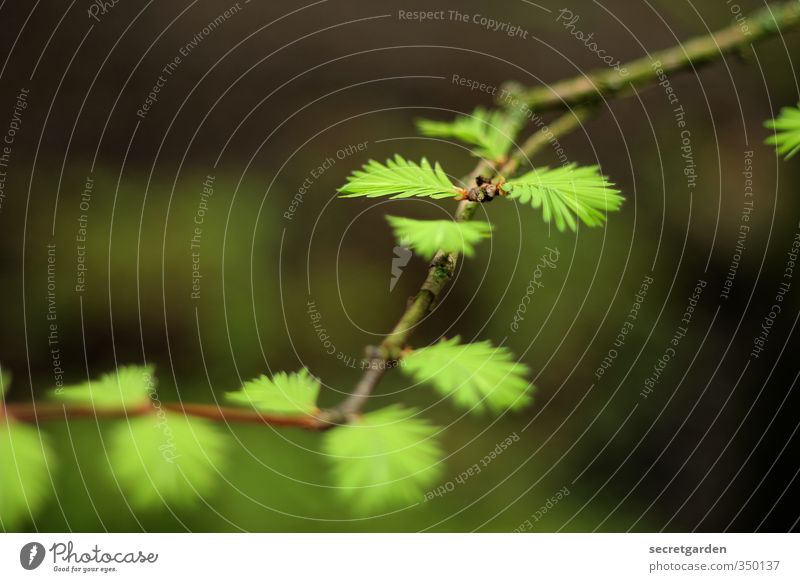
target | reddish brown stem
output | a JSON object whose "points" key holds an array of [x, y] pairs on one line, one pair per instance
{"points": [[227, 414], [41, 412], [44, 411]]}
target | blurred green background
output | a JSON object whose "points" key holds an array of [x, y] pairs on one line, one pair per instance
{"points": [[260, 103]]}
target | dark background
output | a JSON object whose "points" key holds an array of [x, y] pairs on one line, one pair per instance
{"points": [[264, 100]]}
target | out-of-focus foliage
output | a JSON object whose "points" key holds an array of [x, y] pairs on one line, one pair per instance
{"points": [[128, 387], [166, 458], [25, 467], [284, 393], [387, 457]]}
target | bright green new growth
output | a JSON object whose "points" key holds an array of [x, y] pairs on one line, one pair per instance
{"points": [[283, 394], [389, 456], [127, 388], [400, 177], [25, 463], [565, 193], [477, 376], [166, 458], [491, 132], [787, 132], [427, 237]]}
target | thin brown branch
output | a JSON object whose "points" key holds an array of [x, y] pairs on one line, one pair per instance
{"points": [[43, 411], [442, 269], [764, 23], [358, 398], [229, 414], [48, 410], [582, 92]]}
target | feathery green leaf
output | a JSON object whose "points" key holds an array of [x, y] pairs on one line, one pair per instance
{"points": [[491, 132], [166, 458], [567, 191], [402, 178], [477, 376], [128, 387], [426, 237], [25, 463], [786, 138], [283, 394], [387, 457]]}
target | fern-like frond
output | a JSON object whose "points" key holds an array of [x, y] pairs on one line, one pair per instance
{"points": [[399, 178], [387, 457], [128, 387], [786, 138], [166, 459], [566, 193], [26, 461], [491, 132], [477, 376], [282, 394], [426, 237]]}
